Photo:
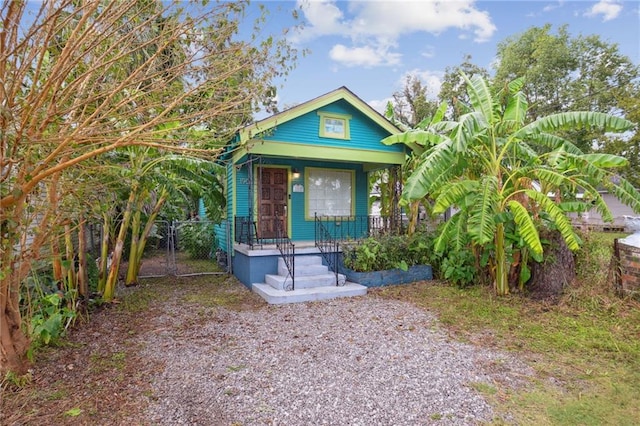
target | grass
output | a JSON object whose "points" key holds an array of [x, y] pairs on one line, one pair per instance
{"points": [[585, 349]]}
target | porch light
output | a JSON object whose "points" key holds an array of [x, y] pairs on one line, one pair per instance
{"points": [[296, 173]]}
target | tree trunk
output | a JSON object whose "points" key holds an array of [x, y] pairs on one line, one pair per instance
{"points": [[557, 270], [142, 241], [134, 259], [13, 342], [501, 279], [112, 278], [15, 265], [83, 276], [70, 262], [103, 267], [414, 215]]}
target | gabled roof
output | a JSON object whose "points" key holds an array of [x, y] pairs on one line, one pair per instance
{"points": [[341, 93]]}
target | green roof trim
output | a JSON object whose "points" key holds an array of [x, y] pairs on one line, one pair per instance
{"points": [[302, 151]]}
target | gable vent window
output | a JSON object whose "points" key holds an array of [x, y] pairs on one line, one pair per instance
{"points": [[335, 126]]}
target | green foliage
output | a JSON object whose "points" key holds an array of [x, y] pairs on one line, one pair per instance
{"points": [[563, 73], [11, 380], [50, 319], [74, 412], [197, 238], [496, 170], [458, 267], [45, 310], [385, 252]]}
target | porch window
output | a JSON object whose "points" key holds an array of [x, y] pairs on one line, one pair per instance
{"points": [[334, 126], [329, 192]]}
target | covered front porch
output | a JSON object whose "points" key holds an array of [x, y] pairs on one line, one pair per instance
{"points": [[284, 271]]}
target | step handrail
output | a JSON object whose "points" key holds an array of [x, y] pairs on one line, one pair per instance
{"points": [[287, 252], [328, 247]]}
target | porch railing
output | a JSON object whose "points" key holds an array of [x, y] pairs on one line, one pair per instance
{"points": [[287, 252], [345, 228], [245, 231]]}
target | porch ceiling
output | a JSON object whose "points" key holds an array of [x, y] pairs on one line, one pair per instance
{"points": [[373, 159]]}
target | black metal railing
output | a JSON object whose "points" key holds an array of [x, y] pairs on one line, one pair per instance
{"points": [[287, 252], [245, 231], [346, 228], [328, 246]]}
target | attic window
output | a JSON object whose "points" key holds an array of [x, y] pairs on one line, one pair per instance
{"points": [[335, 126]]}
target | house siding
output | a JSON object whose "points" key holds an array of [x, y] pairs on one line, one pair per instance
{"points": [[220, 229], [305, 130], [593, 218]]}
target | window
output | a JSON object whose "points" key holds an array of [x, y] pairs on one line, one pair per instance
{"points": [[329, 192], [334, 126]]}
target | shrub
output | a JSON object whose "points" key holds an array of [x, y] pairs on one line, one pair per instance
{"points": [[45, 309], [197, 238], [458, 267], [387, 252]]}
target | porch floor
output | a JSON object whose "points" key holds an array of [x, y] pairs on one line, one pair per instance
{"points": [[277, 297], [302, 247]]}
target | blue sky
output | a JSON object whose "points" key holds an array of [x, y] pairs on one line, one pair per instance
{"points": [[371, 46]]}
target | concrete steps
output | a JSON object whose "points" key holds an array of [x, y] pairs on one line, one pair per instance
{"points": [[278, 297], [313, 281]]}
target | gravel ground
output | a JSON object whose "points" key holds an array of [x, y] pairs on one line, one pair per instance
{"points": [[358, 361]]}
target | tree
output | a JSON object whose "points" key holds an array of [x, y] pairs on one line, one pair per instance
{"points": [[453, 86], [81, 79], [627, 146], [565, 73], [411, 105], [486, 166]]}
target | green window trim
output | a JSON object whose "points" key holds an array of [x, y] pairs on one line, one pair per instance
{"points": [[334, 126], [309, 211]]}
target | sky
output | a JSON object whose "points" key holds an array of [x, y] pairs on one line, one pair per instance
{"points": [[372, 46]]}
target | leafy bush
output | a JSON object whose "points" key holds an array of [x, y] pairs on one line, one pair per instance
{"points": [[45, 313], [458, 267], [387, 252], [197, 238], [50, 320]]}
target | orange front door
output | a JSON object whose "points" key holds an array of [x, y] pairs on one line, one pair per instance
{"points": [[272, 201]]}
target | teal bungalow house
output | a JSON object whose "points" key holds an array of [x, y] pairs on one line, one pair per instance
{"points": [[297, 184]]}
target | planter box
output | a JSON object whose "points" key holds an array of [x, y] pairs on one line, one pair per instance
{"points": [[390, 276]]}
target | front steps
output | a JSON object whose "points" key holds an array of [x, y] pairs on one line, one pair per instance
{"points": [[313, 281]]}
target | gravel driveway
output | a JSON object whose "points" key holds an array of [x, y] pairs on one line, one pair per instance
{"points": [[358, 361]]}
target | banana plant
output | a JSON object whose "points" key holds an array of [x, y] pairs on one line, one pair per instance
{"points": [[506, 176]]}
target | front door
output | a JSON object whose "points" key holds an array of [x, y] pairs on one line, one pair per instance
{"points": [[272, 200]]}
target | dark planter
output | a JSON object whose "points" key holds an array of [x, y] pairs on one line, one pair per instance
{"points": [[389, 276]]}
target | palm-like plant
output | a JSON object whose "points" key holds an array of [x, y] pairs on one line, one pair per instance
{"points": [[499, 173]]}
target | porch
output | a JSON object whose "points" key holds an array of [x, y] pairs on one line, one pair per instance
{"points": [[283, 271]]}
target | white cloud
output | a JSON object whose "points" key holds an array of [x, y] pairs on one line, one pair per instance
{"points": [[428, 52], [553, 6], [609, 9], [432, 80], [374, 27], [367, 56], [380, 105]]}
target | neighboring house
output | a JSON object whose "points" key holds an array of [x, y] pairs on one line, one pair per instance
{"points": [[301, 177], [592, 219]]}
